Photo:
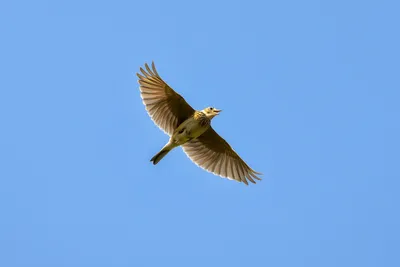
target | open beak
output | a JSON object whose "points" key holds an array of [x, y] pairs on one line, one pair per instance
{"points": [[217, 110]]}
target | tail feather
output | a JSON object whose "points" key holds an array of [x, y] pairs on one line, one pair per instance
{"points": [[160, 155]]}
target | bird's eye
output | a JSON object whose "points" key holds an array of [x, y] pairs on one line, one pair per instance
{"points": [[211, 108]]}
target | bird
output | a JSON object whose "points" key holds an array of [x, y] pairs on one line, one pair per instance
{"points": [[190, 129]]}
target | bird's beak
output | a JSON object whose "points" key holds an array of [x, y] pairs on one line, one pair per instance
{"points": [[217, 110]]}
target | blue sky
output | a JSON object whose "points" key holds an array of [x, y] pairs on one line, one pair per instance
{"points": [[310, 93]]}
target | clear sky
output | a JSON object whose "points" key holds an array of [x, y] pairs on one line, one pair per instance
{"points": [[310, 93]]}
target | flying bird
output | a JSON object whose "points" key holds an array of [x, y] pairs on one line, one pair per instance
{"points": [[191, 129]]}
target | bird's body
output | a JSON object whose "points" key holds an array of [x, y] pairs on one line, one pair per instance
{"points": [[190, 129]]}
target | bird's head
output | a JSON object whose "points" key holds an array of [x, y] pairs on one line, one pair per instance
{"points": [[211, 112]]}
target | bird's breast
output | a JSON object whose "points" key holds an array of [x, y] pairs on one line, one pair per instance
{"points": [[195, 128], [190, 129]]}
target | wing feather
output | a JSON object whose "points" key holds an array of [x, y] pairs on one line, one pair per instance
{"points": [[212, 153], [165, 107]]}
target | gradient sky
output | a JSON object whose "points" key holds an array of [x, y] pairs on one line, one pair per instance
{"points": [[310, 92]]}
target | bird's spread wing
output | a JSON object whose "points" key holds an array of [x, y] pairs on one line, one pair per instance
{"points": [[166, 107], [212, 153]]}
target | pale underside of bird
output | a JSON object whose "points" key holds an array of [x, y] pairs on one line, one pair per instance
{"points": [[190, 129]]}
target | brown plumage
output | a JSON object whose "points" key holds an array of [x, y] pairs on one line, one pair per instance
{"points": [[201, 118], [190, 129]]}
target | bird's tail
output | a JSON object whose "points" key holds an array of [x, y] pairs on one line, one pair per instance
{"points": [[161, 154]]}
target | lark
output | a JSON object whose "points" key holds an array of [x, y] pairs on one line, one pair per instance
{"points": [[191, 129]]}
